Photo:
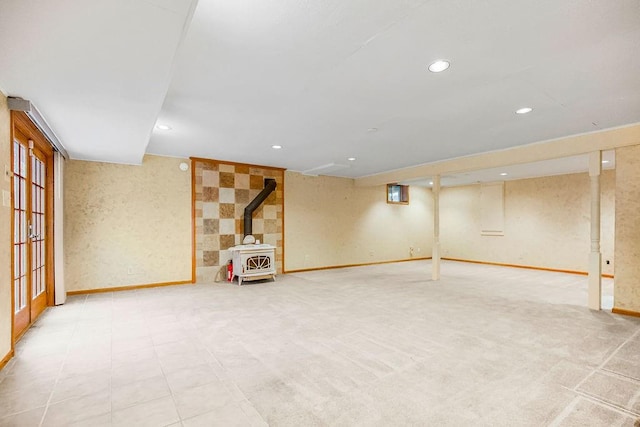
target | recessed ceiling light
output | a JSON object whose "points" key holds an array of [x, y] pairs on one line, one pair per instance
{"points": [[605, 161], [276, 147], [524, 110], [439, 66], [163, 127], [504, 174], [351, 159], [372, 130], [430, 182]]}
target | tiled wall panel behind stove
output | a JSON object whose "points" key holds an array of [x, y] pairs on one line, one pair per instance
{"points": [[222, 191]]}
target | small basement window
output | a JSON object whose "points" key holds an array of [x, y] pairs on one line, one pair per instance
{"points": [[397, 193]]}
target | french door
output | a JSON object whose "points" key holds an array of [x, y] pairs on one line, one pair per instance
{"points": [[32, 287]]}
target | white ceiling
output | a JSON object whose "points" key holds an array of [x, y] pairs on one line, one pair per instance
{"points": [[315, 76], [97, 70]]}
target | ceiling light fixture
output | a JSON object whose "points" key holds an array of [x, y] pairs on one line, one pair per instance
{"points": [[504, 174], [605, 161], [439, 66], [163, 127], [524, 110], [372, 130], [351, 159], [430, 182], [276, 147]]}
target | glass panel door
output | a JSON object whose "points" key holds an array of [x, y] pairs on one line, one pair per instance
{"points": [[31, 213], [37, 233], [20, 235]]}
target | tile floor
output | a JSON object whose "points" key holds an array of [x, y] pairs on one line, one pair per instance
{"points": [[379, 345]]}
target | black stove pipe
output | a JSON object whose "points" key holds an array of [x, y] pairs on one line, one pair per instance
{"points": [[269, 187]]}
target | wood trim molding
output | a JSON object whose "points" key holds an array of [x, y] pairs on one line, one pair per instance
{"points": [[23, 122], [529, 267], [128, 288], [25, 330], [6, 359], [625, 312], [224, 162], [333, 267]]}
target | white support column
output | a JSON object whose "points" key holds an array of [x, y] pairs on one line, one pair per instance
{"points": [[435, 257], [595, 257]]}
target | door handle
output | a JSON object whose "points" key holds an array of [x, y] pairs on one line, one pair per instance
{"points": [[31, 235]]}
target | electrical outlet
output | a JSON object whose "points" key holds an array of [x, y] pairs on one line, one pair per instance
{"points": [[130, 270], [370, 253]]}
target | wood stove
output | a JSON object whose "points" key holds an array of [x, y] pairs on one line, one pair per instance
{"points": [[252, 262]]}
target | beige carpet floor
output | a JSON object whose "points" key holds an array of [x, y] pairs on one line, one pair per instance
{"points": [[367, 346]]}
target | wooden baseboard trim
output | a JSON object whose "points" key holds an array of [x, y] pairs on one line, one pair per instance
{"points": [[128, 288], [625, 312], [6, 359], [333, 267], [529, 267]]}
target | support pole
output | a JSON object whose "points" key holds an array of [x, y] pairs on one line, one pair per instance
{"points": [[595, 257], [435, 257]]}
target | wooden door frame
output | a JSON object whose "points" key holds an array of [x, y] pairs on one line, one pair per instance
{"points": [[20, 121]]}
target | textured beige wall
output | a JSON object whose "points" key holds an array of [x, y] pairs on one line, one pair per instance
{"points": [[126, 225], [546, 223], [627, 282], [5, 231], [329, 221]]}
